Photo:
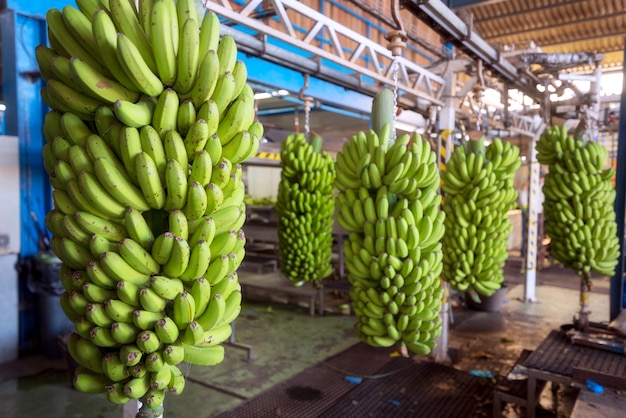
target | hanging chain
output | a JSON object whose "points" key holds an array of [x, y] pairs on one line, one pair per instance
{"points": [[397, 42], [307, 113], [479, 115], [307, 105], [395, 69], [296, 121], [479, 90]]}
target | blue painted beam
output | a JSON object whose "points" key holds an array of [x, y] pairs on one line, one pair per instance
{"points": [[20, 34], [277, 77]]}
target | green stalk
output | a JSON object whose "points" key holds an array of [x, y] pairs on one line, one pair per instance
{"points": [[316, 142], [382, 112], [146, 412], [585, 290], [476, 146]]}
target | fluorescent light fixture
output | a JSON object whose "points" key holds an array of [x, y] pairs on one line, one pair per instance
{"points": [[2, 107], [262, 95], [269, 94]]}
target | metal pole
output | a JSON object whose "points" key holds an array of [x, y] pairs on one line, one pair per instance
{"points": [[446, 127], [532, 235]]}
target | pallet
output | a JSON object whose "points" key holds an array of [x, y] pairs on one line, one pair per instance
{"points": [[513, 391]]}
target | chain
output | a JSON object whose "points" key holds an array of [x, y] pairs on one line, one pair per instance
{"points": [[479, 92], [479, 116], [395, 97], [307, 114]]}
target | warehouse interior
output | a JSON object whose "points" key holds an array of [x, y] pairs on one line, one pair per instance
{"points": [[461, 70]]}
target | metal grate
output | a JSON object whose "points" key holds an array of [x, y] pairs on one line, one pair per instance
{"points": [[425, 390], [315, 390], [391, 387], [557, 355]]}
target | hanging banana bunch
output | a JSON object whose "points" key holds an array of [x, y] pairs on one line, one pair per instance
{"points": [[305, 208], [578, 205], [389, 203], [478, 183], [151, 117]]}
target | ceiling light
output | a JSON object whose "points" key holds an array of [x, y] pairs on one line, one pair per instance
{"points": [[262, 95], [283, 92]]}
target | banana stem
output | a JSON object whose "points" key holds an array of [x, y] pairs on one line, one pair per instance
{"points": [[585, 289], [476, 145], [316, 142], [146, 412]]}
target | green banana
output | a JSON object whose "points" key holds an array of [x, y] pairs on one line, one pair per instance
{"points": [[187, 56], [163, 47], [136, 67]]}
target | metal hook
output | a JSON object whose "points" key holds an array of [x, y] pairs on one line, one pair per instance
{"points": [[304, 87], [397, 38], [395, 13], [478, 91], [308, 102]]}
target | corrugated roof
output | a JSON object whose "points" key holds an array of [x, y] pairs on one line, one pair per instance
{"points": [[594, 26]]}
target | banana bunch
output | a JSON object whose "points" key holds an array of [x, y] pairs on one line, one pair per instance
{"points": [[478, 186], [389, 204], [151, 119], [305, 207], [578, 205]]}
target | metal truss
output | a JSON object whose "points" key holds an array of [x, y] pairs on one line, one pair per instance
{"points": [[351, 60]]}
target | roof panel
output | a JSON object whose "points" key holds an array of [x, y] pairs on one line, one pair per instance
{"points": [[553, 25]]}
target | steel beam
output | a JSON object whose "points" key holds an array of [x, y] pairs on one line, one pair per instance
{"points": [[339, 64], [452, 27]]}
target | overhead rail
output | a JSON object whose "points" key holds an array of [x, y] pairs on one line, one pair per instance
{"points": [[418, 87], [457, 31]]}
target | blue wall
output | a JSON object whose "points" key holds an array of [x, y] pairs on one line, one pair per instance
{"points": [[36, 7], [22, 28]]}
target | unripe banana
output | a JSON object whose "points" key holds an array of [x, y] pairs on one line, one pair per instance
{"points": [[167, 330], [113, 368], [151, 301], [138, 257], [146, 320], [148, 342], [123, 332], [173, 354], [179, 259], [119, 311], [89, 382], [184, 310], [130, 355]]}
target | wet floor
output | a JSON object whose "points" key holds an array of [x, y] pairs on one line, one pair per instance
{"points": [[286, 340]]}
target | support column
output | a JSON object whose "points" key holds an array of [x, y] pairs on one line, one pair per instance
{"points": [[532, 236], [617, 296], [24, 116], [446, 146]]}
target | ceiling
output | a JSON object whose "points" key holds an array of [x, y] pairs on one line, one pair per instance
{"points": [[594, 27], [563, 26]]}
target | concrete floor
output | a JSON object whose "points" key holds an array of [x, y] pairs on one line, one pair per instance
{"points": [[286, 340]]}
